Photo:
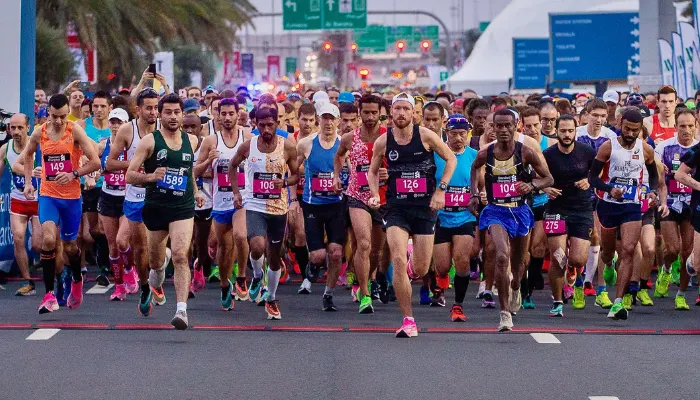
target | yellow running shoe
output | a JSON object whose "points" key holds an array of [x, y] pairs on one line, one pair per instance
{"points": [[603, 301], [579, 298], [644, 299], [681, 304], [627, 301], [662, 282]]}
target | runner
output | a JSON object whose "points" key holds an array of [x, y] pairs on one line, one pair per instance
{"points": [[412, 197], [620, 206], [268, 158], [168, 212], [548, 117], [433, 116], [454, 231], [62, 145], [568, 221], [662, 125], [477, 111], [507, 217], [132, 242], [366, 222]]}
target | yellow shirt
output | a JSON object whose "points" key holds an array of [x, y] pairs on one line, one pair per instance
{"points": [[72, 118]]}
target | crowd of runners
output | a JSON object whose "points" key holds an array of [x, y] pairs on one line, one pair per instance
{"points": [[373, 191]]}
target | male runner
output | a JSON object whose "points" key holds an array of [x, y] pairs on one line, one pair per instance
{"points": [[507, 217], [268, 158], [167, 156], [568, 221], [477, 111], [75, 104], [433, 117], [412, 197], [548, 117], [661, 125], [620, 206], [62, 145]]}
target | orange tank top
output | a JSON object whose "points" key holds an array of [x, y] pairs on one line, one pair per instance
{"points": [[59, 156]]}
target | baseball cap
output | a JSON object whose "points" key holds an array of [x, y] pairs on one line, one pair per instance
{"points": [[210, 89], [346, 97], [459, 102], [403, 96], [458, 121], [320, 96], [356, 95], [635, 99], [120, 114], [611, 96], [328, 108], [191, 105]]}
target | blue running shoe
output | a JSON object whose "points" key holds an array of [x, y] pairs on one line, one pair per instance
{"points": [[58, 290], [254, 290], [424, 296], [227, 300], [67, 284], [264, 297], [146, 303]]}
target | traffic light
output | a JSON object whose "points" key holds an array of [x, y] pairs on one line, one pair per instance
{"points": [[425, 45], [327, 46], [400, 46], [353, 47], [364, 72]]}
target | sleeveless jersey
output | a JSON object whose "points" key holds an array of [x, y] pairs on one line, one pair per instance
{"points": [[540, 198], [114, 181], [625, 171], [176, 189], [360, 159], [222, 192], [670, 152], [136, 193], [261, 170], [17, 191], [300, 182], [457, 196], [203, 184], [659, 132], [318, 174], [59, 156], [502, 175], [411, 171], [583, 136], [96, 134]]}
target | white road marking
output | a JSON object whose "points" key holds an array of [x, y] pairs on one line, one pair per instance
{"points": [[546, 338], [97, 289], [602, 398], [42, 334]]}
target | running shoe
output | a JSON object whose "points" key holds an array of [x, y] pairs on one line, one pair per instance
{"points": [[424, 296], [457, 314], [27, 289], [681, 304], [610, 275], [102, 279], [48, 303], [76, 295], [557, 310], [589, 289], [313, 272], [438, 299], [254, 291], [408, 329], [374, 290], [328, 303], [146, 303], [570, 275], [227, 303], [241, 287], [119, 293], [214, 275], [383, 291], [568, 292], [273, 311], [366, 305], [264, 297], [179, 321], [390, 292], [158, 295], [474, 275], [676, 272], [351, 280], [198, 280], [643, 298], [515, 301], [506, 323], [63, 291], [305, 287], [482, 289], [627, 301], [663, 279], [579, 298], [617, 311], [284, 277], [487, 301], [156, 277], [528, 304], [603, 301], [355, 293], [131, 281]]}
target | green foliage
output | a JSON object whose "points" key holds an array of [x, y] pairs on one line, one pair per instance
{"points": [[54, 61], [190, 58]]}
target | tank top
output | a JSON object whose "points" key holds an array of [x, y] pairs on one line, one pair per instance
{"points": [[360, 159], [457, 196], [210, 125], [222, 191], [411, 172], [136, 193], [300, 183], [670, 152], [59, 156], [176, 189], [502, 175], [17, 191], [659, 132], [260, 171], [318, 174], [625, 171], [540, 198], [203, 184], [114, 181]]}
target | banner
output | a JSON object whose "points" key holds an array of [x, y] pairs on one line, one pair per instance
{"points": [[7, 248], [248, 65], [678, 65], [666, 58], [85, 59], [689, 40], [273, 68]]}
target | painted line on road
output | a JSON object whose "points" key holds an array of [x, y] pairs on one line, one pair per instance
{"points": [[43, 334], [97, 289], [623, 331], [143, 326], [15, 326], [59, 325], [230, 327], [545, 338], [602, 398]]}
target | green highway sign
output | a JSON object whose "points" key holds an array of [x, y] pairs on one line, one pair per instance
{"points": [[371, 39], [444, 75], [290, 66], [324, 14], [378, 39], [301, 15]]}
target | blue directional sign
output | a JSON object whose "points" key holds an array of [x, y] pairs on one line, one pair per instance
{"points": [[530, 63], [593, 46]]}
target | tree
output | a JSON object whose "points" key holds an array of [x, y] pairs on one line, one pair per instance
{"points": [[189, 58], [54, 61]]}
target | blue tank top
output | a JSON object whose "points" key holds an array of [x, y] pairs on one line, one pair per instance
{"points": [[455, 213], [318, 174], [540, 198], [96, 135]]}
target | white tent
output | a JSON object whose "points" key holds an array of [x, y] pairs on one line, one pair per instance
{"points": [[490, 65]]}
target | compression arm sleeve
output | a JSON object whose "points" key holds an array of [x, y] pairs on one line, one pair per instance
{"points": [[653, 176], [594, 177]]}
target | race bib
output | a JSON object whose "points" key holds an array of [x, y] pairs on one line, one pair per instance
{"points": [[200, 183], [115, 180], [554, 225], [411, 184], [241, 177], [18, 181], [504, 190], [56, 163], [676, 187], [222, 178], [264, 186], [457, 198], [344, 176], [362, 181], [173, 180], [629, 187], [322, 184]]}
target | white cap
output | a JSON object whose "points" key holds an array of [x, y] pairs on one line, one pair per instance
{"points": [[120, 114], [403, 96], [328, 108], [611, 96], [320, 96]]}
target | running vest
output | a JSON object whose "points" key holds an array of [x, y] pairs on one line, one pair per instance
{"points": [[457, 196], [502, 175], [540, 198], [659, 132], [17, 191], [114, 181], [318, 173], [203, 184], [222, 192], [360, 159], [95, 133], [411, 171], [136, 193], [670, 152], [625, 171], [59, 156], [300, 182], [210, 125], [175, 189], [261, 169]]}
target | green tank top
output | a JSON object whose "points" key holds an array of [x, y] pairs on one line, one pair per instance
{"points": [[176, 189]]}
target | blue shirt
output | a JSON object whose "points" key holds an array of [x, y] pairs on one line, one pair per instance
{"points": [[279, 132], [540, 199], [456, 213], [96, 135], [318, 174]]}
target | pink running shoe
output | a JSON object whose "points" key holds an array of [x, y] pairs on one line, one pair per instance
{"points": [[355, 293], [76, 295], [198, 280], [119, 293], [131, 281], [408, 329], [568, 292], [48, 303]]}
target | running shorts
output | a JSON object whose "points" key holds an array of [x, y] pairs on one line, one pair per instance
{"points": [[133, 210], [262, 224], [224, 217], [24, 208], [324, 219], [65, 213], [517, 221], [614, 215], [376, 214], [445, 235], [91, 198], [414, 220], [110, 205], [578, 224], [159, 218]]}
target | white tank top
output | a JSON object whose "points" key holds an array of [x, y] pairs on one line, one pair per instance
{"points": [[17, 191], [260, 171], [625, 171], [203, 184], [136, 193], [210, 124], [222, 194]]}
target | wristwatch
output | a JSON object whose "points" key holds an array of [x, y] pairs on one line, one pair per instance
{"points": [[442, 186], [76, 175]]}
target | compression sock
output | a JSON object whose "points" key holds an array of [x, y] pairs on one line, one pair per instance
{"points": [[127, 258], [115, 264], [461, 284], [257, 266], [592, 263], [534, 274], [301, 253], [48, 264], [74, 263], [273, 279]]}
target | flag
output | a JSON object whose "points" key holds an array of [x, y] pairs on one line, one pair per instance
{"points": [[666, 58], [678, 65], [689, 40]]}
